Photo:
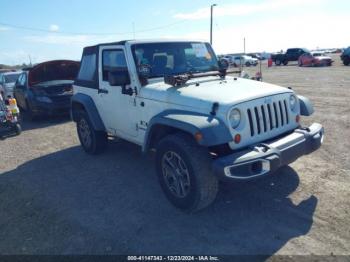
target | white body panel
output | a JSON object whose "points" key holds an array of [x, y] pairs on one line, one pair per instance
{"points": [[123, 115]]}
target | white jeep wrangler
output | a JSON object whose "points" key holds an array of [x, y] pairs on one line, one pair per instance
{"points": [[174, 97]]}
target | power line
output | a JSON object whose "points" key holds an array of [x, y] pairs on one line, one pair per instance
{"points": [[77, 33]]}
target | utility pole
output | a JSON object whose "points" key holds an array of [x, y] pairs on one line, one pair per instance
{"points": [[244, 44], [211, 23]]}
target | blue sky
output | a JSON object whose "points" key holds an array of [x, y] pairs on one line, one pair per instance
{"points": [[267, 25]]}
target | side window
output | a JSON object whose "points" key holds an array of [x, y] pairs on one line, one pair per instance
{"points": [[112, 60], [18, 82], [87, 68], [23, 79]]}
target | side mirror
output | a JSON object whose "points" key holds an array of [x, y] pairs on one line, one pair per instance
{"points": [[118, 77], [223, 64]]}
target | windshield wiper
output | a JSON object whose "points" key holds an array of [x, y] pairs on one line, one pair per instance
{"points": [[181, 79]]}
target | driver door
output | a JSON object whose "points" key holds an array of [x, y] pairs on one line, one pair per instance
{"points": [[118, 110]]}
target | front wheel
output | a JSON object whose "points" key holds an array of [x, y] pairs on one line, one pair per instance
{"points": [[92, 141], [346, 61], [184, 172]]}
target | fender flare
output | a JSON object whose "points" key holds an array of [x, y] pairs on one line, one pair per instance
{"points": [[91, 109], [306, 108], [213, 129]]}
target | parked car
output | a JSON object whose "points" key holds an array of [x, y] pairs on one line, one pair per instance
{"points": [[176, 98], [7, 83], [345, 56], [46, 89], [314, 59], [292, 54], [243, 60], [257, 56]]}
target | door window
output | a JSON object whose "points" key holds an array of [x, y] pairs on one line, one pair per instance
{"points": [[112, 60]]}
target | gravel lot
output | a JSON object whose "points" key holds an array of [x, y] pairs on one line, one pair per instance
{"points": [[55, 199]]}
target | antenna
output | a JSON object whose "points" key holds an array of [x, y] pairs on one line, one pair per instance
{"points": [[30, 60]]}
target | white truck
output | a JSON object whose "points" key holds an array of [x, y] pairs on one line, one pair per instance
{"points": [[175, 98]]}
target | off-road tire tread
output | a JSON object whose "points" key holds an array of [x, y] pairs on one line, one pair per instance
{"points": [[200, 162]]}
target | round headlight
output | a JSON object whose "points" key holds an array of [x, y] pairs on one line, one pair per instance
{"points": [[293, 102], [235, 117]]}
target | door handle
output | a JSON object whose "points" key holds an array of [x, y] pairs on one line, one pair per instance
{"points": [[103, 91]]}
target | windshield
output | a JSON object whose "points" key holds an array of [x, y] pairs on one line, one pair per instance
{"points": [[175, 58], [11, 78]]}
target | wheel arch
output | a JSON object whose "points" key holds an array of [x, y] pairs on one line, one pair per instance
{"points": [[84, 102], [213, 131]]}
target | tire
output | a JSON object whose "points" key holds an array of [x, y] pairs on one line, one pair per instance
{"points": [[285, 62], [192, 167], [247, 64], [278, 62], [31, 115], [346, 61], [92, 141], [300, 63], [18, 129]]}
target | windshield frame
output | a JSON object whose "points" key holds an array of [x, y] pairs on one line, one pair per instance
{"points": [[187, 71]]}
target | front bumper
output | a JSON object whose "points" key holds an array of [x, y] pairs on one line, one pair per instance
{"points": [[61, 107], [265, 158]]}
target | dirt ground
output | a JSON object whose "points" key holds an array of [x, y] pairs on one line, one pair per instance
{"points": [[55, 199]]}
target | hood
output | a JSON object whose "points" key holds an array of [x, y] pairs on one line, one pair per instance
{"points": [[53, 70], [202, 92], [10, 85]]}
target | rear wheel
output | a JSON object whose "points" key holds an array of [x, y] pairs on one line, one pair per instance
{"points": [[92, 141], [278, 62], [30, 113], [247, 63], [285, 62], [184, 172], [346, 61], [18, 129]]}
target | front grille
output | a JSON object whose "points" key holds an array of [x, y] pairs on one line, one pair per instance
{"points": [[268, 116]]}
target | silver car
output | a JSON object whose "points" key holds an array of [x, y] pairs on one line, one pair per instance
{"points": [[7, 83]]}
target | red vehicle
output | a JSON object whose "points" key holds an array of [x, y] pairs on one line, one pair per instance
{"points": [[314, 59]]}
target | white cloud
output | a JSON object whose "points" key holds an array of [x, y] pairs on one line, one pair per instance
{"points": [[244, 9], [14, 57], [4, 28], [271, 36], [77, 40], [54, 28]]}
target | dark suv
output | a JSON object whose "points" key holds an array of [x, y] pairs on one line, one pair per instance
{"points": [[46, 89], [345, 56]]}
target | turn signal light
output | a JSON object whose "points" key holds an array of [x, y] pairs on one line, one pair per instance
{"points": [[198, 136], [237, 138]]}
